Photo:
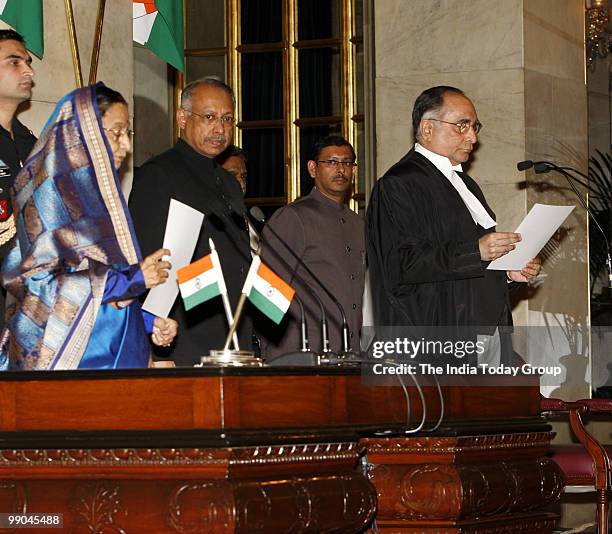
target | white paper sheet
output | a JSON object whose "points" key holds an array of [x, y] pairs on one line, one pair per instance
{"points": [[536, 229], [182, 231]]}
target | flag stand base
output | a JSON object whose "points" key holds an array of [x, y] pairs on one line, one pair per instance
{"points": [[231, 358]]}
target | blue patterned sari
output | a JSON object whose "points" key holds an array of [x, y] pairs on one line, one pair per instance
{"points": [[73, 226]]}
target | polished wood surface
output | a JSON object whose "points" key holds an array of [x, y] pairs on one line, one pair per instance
{"points": [[187, 399]]}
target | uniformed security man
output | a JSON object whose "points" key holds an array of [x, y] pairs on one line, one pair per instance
{"points": [[16, 141]]}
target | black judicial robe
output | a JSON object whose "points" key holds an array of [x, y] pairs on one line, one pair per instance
{"points": [[187, 176], [423, 253]]}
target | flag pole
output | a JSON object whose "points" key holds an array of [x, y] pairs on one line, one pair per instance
{"points": [[95, 51], [235, 320], [74, 46], [241, 301], [226, 303]]}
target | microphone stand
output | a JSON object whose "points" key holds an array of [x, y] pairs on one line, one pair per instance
{"points": [[257, 214], [304, 356], [303, 327]]}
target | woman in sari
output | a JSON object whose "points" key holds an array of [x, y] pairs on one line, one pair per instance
{"points": [[75, 269]]}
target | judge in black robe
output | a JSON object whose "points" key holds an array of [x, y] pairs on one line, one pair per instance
{"points": [[423, 253], [427, 257]]}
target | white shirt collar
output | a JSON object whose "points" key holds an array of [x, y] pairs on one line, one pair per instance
{"points": [[478, 212], [442, 163]]}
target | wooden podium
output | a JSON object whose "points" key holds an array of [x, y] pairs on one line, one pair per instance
{"points": [[271, 450]]}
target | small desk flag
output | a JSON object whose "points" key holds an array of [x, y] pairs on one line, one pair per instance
{"points": [[200, 281], [267, 291]]}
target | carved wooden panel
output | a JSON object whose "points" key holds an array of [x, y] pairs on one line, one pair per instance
{"points": [[453, 492], [329, 503], [314, 487], [97, 508], [432, 482], [202, 507], [13, 497]]}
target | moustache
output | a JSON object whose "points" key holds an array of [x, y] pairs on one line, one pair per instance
{"points": [[216, 138]]}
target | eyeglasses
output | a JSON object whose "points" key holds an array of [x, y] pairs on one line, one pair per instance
{"points": [[116, 134], [335, 163], [209, 119], [462, 126]]}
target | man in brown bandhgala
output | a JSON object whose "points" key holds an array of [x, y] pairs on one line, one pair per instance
{"points": [[329, 238]]}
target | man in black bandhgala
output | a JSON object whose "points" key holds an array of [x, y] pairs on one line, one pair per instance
{"points": [[189, 173]]}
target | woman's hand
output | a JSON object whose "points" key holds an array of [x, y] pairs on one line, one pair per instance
{"points": [[120, 304], [164, 331], [154, 269]]}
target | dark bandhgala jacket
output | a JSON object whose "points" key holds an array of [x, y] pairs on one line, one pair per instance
{"points": [[187, 176], [329, 238], [423, 253]]}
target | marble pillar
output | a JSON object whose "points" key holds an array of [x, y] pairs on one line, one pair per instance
{"points": [[153, 93], [522, 64], [556, 129], [600, 106]]}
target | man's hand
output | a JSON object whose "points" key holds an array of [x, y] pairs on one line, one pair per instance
{"points": [[496, 244], [527, 273], [164, 331], [154, 270]]}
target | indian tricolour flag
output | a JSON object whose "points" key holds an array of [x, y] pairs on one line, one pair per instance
{"points": [[201, 281], [158, 25], [26, 17], [268, 291]]}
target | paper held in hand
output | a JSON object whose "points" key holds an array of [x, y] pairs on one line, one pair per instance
{"points": [[536, 229], [182, 231]]}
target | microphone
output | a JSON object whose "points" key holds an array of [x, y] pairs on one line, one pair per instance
{"points": [[304, 356], [539, 166], [546, 166], [542, 167], [524, 165], [260, 217], [288, 359]]}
